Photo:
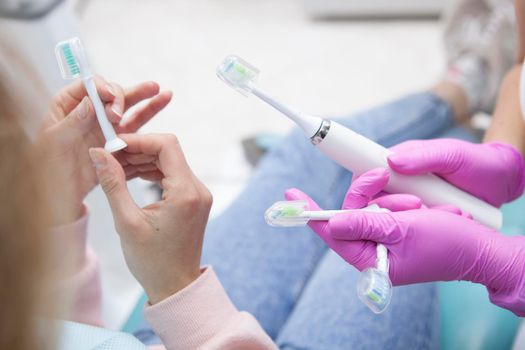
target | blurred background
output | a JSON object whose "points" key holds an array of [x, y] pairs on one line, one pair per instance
{"points": [[326, 57]]}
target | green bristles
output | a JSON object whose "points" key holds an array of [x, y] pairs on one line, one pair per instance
{"points": [[287, 212], [70, 59], [240, 69]]}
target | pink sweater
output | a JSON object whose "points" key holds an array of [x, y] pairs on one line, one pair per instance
{"points": [[201, 316]]}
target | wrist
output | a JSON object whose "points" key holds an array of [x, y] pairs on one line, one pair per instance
{"points": [[514, 170], [158, 293], [504, 273]]}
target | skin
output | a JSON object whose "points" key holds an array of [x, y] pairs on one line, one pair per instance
{"points": [[508, 124], [162, 242], [70, 129]]}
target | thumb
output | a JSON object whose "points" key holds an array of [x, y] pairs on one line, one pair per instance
{"points": [[365, 187], [113, 182], [77, 123], [367, 226], [434, 156]]}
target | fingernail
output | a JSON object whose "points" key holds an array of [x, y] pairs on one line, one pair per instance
{"points": [[110, 90], [83, 109], [115, 110], [99, 161]]}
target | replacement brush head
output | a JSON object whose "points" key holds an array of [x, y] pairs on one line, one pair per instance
{"points": [[287, 214], [238, 73]]}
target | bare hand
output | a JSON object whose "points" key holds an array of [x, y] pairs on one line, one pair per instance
{"points": [[162, 242], [71, 128]]}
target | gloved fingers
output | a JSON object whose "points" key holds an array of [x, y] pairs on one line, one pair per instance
{"points": [[319, 227], [440, 156], [360, 254], [376, 227], [365, 188], [397, 202], [452, 209]]}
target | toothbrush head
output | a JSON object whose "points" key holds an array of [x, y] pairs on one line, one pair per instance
{"points": [[238, 73], [287, 214], [374, 289], [71, 58]]}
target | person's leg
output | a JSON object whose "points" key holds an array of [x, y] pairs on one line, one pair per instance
{"points": [[329, 314], [264, 269]]}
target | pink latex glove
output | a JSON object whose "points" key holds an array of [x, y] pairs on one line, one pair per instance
{"points": [[424, 244], [494, 172]]}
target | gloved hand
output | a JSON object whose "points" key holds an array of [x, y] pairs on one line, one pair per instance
{"points": [[424, 244], [493, 172]]}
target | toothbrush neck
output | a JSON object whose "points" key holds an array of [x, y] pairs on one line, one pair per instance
{"points": [[309, 124], [382, 258], [87, 76]]}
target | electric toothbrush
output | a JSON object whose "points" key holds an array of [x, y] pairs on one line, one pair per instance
{"points": [[357, 153]]}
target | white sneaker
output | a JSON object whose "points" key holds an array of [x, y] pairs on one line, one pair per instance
{"points": [[480, 42]]}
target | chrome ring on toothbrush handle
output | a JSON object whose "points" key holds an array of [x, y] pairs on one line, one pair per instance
{"points": [[322, 132]]}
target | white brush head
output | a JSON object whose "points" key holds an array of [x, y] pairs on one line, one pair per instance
{"points": [[374, 289], [238, 73]]}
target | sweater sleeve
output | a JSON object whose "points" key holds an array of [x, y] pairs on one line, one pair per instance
{"points": [[201, 316], [78, 272]]}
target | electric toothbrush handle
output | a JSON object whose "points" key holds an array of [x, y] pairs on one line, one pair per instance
{"points": [[360, 154], [105, 125]]}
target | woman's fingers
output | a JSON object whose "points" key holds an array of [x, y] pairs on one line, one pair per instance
{"points": [[69, 97], [140, 92], [145, 113], [165, 148], [138, 158], [105, 90], [115, 107], [117, 101], [153, 176], [113, 181], [77, 123]]}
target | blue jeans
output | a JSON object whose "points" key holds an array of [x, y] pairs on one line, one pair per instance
{"points": [[303, 294]]}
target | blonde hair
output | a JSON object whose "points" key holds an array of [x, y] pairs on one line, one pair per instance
{"points": [[23, 227]]}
